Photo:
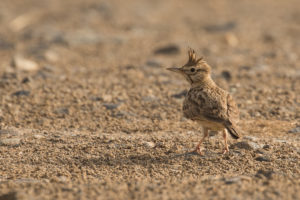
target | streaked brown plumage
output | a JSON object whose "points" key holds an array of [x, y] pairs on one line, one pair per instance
{"points": [[206, 103]]}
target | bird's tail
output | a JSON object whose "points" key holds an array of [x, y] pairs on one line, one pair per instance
{"points": [[232, 129]]}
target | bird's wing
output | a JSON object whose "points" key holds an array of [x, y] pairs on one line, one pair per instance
{"points": [[221, 109], [232, 110], [210, 107]]}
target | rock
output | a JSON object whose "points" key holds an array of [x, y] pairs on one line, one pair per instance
{"points": [[63, 178], [37, 136], [25, 80], [24, 20], [107, 98], [9, 196], [153, 63], [295, 130], [110, 106], [149, 144], [51, 56], [268, 38], [95, 98], [236, 179], [226, 75], [232, 180], [21, 93], [266, 147], [83, 37], [5, 45], [231, 39], [171, 49], [9, 132], [10, 141], [264, 173], [263, 158], [220, 27], [150, 98], [21, 63], [62, 111], [247, 145], [179, 95], [250, 138]]}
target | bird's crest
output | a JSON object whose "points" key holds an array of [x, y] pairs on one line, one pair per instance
{"points": [[192, 58]]}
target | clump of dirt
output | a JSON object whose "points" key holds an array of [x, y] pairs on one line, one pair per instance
{"points": [[88, 110]]}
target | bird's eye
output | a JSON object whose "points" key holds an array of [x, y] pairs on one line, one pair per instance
{"points": [[192, 69]]}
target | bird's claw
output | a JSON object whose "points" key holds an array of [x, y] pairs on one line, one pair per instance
{"points": [[225, 151]]}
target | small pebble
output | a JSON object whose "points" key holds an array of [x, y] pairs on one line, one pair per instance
{"points": [[107, 98], [226, 75], [220, 27], [179, 95], [9, 132], [10, 141], [295, 130], [247, 145], [263, 158], [264, 173], [149, 144], [21, 93], [110, 106], [167, 50], [24, 64], [38, 136], [231, 39]]}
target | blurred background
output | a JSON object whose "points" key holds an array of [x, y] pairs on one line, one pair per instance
{"points": [[88, 61]]}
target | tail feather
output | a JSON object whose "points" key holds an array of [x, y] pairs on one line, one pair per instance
{"points": [[233, 131]]}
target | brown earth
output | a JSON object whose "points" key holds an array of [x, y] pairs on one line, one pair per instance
{"points": [[88, 110]]}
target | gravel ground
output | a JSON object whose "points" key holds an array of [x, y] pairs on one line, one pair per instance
{"points": [[88, 111]]}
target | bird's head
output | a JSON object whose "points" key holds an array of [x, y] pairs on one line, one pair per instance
{"points": [[195, 70]]}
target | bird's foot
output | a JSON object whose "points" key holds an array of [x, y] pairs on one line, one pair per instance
{"points": [[198, 151], [225, 151]]}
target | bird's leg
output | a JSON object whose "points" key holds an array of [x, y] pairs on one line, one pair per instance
{"points": [[198, 150], [226, 149]]}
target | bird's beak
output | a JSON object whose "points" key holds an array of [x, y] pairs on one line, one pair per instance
{"points": [[175, 69]]}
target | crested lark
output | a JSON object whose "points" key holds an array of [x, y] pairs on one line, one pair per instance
{"points": [[206, 103]]}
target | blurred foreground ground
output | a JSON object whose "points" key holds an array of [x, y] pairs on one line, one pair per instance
{"points": [[88, 110]]}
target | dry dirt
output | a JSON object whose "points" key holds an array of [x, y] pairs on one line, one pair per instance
{"points": [[88, 110]]}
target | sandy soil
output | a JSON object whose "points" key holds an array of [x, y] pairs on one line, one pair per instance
{"points": [[88, 110]]}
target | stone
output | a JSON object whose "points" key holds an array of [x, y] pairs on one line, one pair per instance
{"points": [[21, 63], [5, 45], [107, 98], [171, 49], [37, 136], [10, 141], [247, 145], [21, 93], [62, 111], [180, 95], [9, 196], [149, 144], [263, 158], [110, 106], [226, 75], [153, 63], [231, 39], [220, 27], [51, 56], [295, 130], [250, 138], [264, 173], [83, 37], [12, 132]]}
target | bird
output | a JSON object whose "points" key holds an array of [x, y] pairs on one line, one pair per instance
{"points": [[206, 103]]}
